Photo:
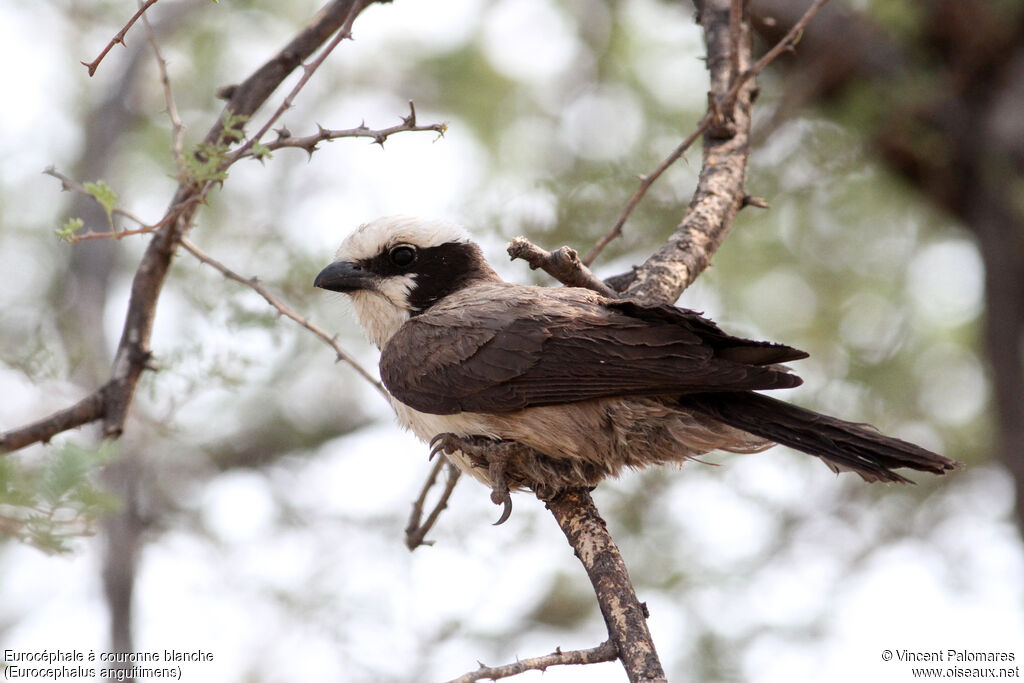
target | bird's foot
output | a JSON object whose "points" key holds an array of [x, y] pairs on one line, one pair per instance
{"points": [[495, 454]]}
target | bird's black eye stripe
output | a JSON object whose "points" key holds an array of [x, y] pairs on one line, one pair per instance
{"points": [[402, 255]]}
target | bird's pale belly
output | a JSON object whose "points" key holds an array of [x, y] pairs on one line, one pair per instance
{"points": [[602, 436]]}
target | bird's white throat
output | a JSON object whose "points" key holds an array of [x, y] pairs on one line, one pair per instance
{"points": [[378, 315]]}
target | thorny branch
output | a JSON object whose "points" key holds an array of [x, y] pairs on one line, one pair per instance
{"points": [[285, 310], [309, 143], [118, 38], [111, 402], [605, 652], [343, 33], [720, 108]]}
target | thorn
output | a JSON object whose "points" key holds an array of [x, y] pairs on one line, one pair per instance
{"points": [[283, 133], [759, 202]]}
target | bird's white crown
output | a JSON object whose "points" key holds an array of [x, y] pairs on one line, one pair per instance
{"points": [[375, 237]]}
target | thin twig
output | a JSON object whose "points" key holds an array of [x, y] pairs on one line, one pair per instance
{"points": [[343, 32], [177, 127], [605, 652], [645, 183], [69, 185], [415, 533], [787, 43], [284, 310], [118, 38], [111, 402], [309, 143], [715, 111]]}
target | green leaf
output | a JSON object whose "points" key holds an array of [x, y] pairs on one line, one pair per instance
{"points": [[260, 151], [67, 231], [104, 194]]}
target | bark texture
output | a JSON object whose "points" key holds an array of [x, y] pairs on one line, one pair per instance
{"points": [[624, 615]]}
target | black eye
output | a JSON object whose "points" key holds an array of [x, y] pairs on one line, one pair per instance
{"points": [[402, 255]]}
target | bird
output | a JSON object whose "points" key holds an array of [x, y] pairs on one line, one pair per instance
{"points": [[551, 388]]}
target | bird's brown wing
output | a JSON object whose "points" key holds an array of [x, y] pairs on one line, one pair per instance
{"points": [[530, 347]]}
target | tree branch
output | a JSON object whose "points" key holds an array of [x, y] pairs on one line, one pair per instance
{"points": [[605, 652], [285, 310], [415, 532], [112, 401], [726, 88], [562, 264], [309, 143], [720, 187], [624, 615], [89, 409], [118, 38], [351, 8], [177, 127]]}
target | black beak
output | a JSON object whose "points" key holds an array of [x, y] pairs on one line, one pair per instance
{"points": [[342, 276]]}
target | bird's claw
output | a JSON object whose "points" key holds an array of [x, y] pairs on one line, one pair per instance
{"points": [[438, 444], [506, 510], [494, 453], [500, 494]]}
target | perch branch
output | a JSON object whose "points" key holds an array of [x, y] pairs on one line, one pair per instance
{"points": [[605, 652], [624, 615], [285, 310], [118, 38]]}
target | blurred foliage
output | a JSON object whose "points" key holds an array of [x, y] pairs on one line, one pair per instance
{"points": [[49, 504], [546, 142]]}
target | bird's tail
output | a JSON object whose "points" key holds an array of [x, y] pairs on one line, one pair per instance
{"points": [[843, 446]]}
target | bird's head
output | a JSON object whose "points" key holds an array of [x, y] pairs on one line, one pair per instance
{"points": [[396, 267]]}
